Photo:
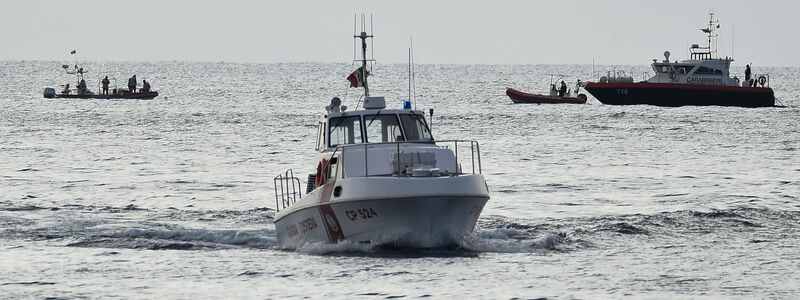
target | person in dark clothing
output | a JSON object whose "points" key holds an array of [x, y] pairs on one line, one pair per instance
{"points": [[105, 83], [132, 84], [145, 86], [82, 87], [747, 75], [563, 90], [747, 72]]}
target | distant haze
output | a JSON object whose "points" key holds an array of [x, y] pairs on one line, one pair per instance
{"points": [[460, 32]]}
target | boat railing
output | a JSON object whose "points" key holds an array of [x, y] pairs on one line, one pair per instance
{"points": [[457, 146], [287, 189], [761, 80], [475, 154]]}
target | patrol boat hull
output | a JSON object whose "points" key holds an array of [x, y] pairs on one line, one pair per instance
{"points": [[675, 94], [391, 211]]}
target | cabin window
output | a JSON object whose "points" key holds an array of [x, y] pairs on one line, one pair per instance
{"points": [[320, 136], [708, 71], [383, 129], [345, 130], [684, 69], [415, 128]]}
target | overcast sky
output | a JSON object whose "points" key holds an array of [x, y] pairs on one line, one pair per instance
{"points": [[461, 32]]}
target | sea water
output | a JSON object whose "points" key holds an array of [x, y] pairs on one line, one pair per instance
{"points": [[173, 197]]}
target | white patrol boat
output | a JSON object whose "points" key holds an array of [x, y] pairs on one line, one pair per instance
{"points": [[704, 79], [382, 179]]}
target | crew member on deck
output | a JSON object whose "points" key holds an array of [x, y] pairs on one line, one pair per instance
{"points": [[105, 83], [132, 84], [563, 90], [145, 86], [82, 87], [747, 73]]}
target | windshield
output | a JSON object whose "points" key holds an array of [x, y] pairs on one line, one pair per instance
{"points": [[383, 129], [345, 130], [415, 128]]}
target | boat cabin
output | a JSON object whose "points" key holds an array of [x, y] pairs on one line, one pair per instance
{"points": [[702, 70], [384, 142], [374, 124]]}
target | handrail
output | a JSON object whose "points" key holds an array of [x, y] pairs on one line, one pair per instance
{"points": [[475, 147], [757, 78], [289, 189]]}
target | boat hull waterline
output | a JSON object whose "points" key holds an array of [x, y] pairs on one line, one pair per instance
{"points": [[140, 96], [418, 220], [675, 94], [523, 97]]}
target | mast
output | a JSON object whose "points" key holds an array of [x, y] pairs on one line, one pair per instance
{"points": [[710, 32], [364, 36]]}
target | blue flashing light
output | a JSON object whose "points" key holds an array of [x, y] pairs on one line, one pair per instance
{"points": [[406, 104]]}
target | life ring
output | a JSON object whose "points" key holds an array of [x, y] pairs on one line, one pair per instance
{"points": [[672, 74], [762, 80], [322, 173]]}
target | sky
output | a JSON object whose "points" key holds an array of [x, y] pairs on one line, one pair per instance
{"points": [[624, 32]]}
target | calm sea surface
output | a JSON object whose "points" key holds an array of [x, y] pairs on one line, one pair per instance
{"points": [[173, 197]]}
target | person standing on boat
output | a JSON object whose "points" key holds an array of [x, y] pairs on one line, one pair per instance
{"points": [[747, 74], [132, 84], [563, 90], [105, 83]]}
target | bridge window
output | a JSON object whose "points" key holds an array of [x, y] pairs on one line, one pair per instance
{"points": [[320, 135], [345, 130], [415, 128], [383, 129]]}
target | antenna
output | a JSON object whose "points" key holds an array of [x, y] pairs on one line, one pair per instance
{"points": [[733, 40], [355, 32], [409, 73], [710, 31], [75, 54], [77, 71], [412, 84], [363, 36], [413, 74]]}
